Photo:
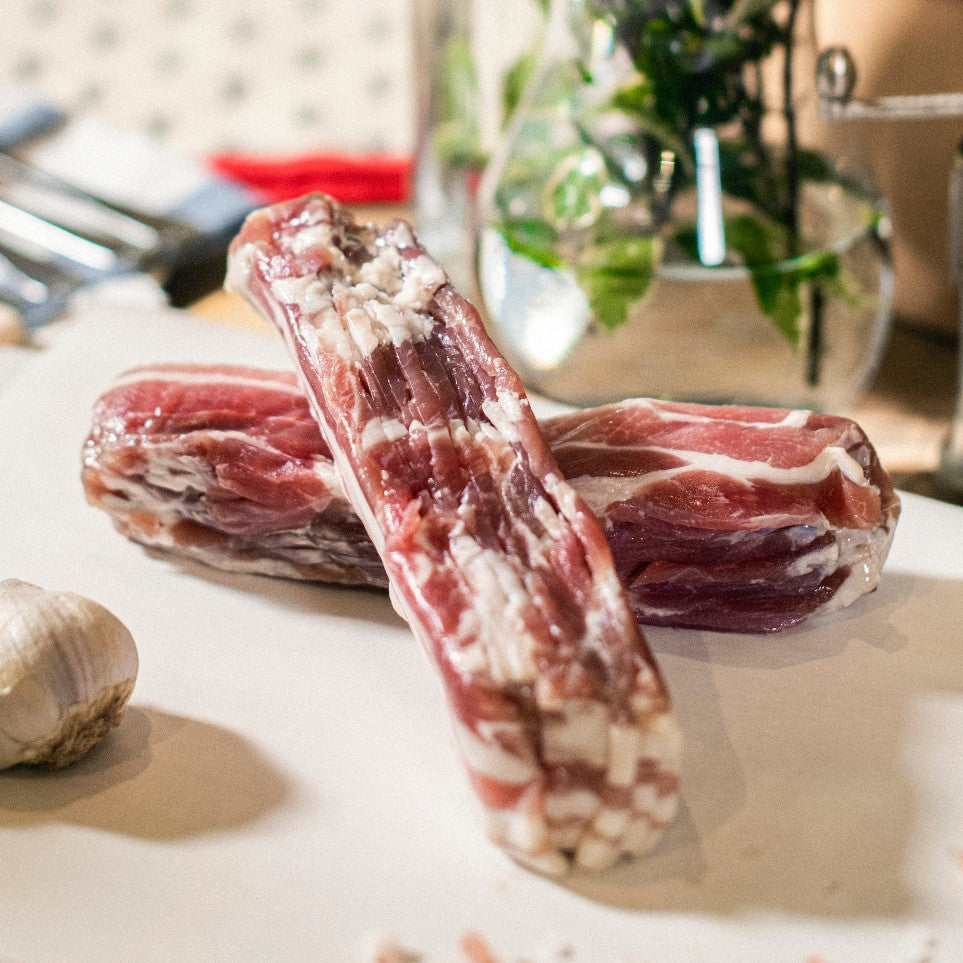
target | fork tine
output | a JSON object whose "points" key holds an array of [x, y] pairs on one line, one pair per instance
{"points": [[38, 289], [17, 223], [17, 284], [74, 208]]}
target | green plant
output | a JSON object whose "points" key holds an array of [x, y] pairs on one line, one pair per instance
{"points": [[694, 64]]}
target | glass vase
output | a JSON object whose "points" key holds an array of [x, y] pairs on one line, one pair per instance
{"points": [[656, 223], [449, 153]]}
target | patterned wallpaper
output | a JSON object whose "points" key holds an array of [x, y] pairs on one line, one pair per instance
{"points": [[262, 76]]}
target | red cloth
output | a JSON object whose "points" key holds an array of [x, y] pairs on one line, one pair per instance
{"points": [[351, 179]]}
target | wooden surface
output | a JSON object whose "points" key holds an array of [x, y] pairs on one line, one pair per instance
{"points": [[909, 407]]}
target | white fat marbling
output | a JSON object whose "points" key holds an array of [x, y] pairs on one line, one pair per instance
{"points": [[796, 418], [380, 430], [601, 491], [661, 742], [623, 756], [213, 376], [647, 802], [488, 758], [498, 641], [317, 235], [505, 413], [610, 823], [358, 323], [579, 736], [179, 474], [825, 558], [394, 325], [595, 853], [307, 293], [380, 302], [576, 804], [864, 552], [240, 266], [640, 835], [421, 279]]}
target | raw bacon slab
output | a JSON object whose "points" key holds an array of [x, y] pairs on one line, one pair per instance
{"points": [[729, 519], [226, 466], [559, 711]]}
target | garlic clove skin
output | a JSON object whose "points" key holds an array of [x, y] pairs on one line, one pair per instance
{"points": [[67, 669]]}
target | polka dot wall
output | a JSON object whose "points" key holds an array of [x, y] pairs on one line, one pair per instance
{"points": [[271, 78]]}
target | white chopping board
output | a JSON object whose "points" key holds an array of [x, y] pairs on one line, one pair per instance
{"points": [[283, 788]]}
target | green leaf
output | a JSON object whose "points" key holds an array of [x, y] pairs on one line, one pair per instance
{"points": [[777, 287], [687, 237], [813, 165], [745, 10], [614, 274], [844, 287], [745, 176], [640, 102], [459, 79], [756, 242], [533, 239], [514, 84], [779, 300], [751, 178], [457, 147], [572, 195]]}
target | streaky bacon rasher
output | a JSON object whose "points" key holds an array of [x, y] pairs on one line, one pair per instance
{"points": [[502, 572]]}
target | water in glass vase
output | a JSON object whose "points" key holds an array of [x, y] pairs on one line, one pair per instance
{"points": [[699, 333]]}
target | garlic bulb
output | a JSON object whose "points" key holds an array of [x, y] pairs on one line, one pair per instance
{"points": [[67, 668]]}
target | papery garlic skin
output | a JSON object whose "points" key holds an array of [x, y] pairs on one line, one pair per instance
{"points": [[67, 668]]}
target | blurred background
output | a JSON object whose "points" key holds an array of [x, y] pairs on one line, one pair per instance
{"points": [[212, 76], [296, 94]]}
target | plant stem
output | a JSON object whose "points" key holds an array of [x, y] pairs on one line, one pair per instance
{"points": [[814, 342], [791, 202]]}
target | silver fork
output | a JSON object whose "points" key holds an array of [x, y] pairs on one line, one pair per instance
{"points": [[56, 238]]}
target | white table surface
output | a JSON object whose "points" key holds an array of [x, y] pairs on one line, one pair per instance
{"points": [[283, 788]]}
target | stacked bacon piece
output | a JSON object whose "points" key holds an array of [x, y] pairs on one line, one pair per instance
{"points": [[410, 452], [732, 519], [500, 569]]}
